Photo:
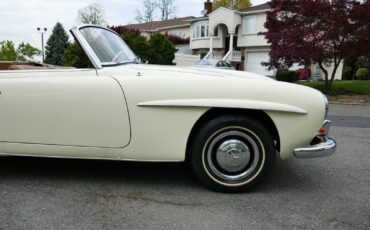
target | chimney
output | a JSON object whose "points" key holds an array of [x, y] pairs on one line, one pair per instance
{"points": [[208, 7]]}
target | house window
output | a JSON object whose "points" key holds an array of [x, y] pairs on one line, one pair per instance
{"points": [[216, 32], [200, 31], [197, 35], [249, 25]]}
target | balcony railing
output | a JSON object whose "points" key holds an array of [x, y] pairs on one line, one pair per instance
{"points": [[234, 56], [217, 55]]}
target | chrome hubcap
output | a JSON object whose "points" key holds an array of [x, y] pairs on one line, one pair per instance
{"points": [[233, 155]]}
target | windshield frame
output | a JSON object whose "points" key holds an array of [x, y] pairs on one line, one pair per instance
{"points": [[89, 50]]}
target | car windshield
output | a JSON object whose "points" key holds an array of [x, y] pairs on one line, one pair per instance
{"points": [[206, 62], [223, 64], [108, 46]]}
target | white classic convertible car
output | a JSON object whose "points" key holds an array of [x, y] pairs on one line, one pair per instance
{"points": [[228, 125]]}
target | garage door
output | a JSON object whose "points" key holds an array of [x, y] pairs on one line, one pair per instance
{"points": [[253, 63]]}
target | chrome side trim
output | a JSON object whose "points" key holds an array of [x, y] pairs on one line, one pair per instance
{"points": [[85, 158], [224, 103], [86, 47]]}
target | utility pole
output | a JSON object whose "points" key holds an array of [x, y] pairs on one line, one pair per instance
{"points": [[42, 32]]}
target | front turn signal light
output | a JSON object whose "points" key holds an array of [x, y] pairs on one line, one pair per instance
{"points": [[322, 130]]}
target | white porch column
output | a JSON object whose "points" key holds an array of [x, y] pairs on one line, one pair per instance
{"points": [[211, 44], [231, 43], [209, 54]]}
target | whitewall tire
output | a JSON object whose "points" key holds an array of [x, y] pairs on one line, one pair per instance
{"points": [[231, 153]]}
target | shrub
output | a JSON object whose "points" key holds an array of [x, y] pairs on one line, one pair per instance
{"points": [[287, 75], [352, 87], [347, 73], [161, 50], [75, 56], [138, 44], [176, 40], [362, 74], [304, 74]]}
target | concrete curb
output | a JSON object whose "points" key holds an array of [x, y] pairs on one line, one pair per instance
{"points": [[360, 100], [348, 103]]}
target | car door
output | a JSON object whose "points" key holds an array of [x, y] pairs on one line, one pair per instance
{"points": [[63, 110]]}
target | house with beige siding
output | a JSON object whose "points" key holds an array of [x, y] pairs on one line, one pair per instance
{"points": [[233, 35]]}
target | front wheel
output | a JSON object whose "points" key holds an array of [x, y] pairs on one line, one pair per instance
{"points": [[232, 153]]}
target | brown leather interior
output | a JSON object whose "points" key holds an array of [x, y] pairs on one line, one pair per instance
{"points": [[6, 65], [26, 67]]}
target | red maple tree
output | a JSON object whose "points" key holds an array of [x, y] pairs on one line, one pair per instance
{"points": [[317, 31]]}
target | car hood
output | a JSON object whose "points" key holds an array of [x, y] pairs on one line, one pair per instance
{"points": [[199, 71], [200, 83], [210, 84]]}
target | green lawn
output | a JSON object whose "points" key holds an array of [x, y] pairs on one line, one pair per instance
{"points": [[342, 87]]}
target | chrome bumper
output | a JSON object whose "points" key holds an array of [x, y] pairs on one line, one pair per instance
{"points": [[321, 145]]}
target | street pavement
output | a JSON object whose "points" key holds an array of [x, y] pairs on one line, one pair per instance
{"points": [[325, 193]]}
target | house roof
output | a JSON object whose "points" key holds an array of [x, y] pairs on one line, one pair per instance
{"points": [[253, 9], [198, 19], [264, 6], [157, 25]]}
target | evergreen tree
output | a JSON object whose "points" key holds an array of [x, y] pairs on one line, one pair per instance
{"points": [[57, 42]]}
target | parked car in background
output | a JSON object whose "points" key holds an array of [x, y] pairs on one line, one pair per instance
{"points": [[228, 125], [214, 63]]}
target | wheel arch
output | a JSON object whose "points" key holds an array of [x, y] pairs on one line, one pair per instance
{"points": [[217, 112]]}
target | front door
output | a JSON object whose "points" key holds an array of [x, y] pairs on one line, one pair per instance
{"points": [[68, 110]]}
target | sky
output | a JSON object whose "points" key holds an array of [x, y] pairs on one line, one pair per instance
{"points": [[19, 19]]}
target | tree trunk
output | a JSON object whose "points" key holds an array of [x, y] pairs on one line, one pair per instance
{"points": [[327, 84], [334, 72]]}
